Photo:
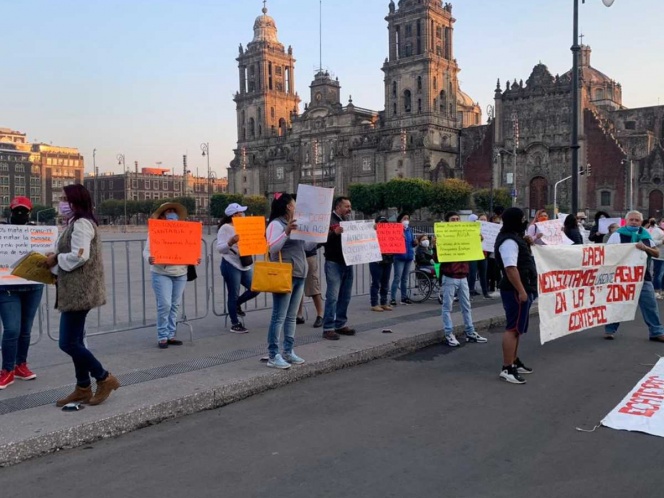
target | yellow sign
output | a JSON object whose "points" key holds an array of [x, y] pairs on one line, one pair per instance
{"points": [[458, 241]]}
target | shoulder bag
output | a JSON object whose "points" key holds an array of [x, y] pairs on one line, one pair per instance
{"points": [[272, 277]]}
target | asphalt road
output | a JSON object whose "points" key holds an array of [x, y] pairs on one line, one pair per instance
{"points": [[437, 423]]}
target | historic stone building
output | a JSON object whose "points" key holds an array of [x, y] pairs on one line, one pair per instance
{"points": [[620, 149], [332, 144]]}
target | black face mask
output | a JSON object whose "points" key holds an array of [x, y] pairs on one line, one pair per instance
{"points": [[19, 218]]}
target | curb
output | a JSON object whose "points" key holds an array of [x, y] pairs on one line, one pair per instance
{"points": [[16, 452]]}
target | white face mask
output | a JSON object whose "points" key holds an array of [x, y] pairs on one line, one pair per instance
{"points": [[405, 223], [425, 243]]}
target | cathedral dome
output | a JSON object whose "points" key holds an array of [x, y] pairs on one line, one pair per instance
{"points": [[265, 29], [463, 99]]}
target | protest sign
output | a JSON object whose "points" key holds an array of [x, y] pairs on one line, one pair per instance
{"points": [[489, 233], [312, 213], [18, 240], [175, 242], [641, 410], [251, 230], [562, 216], [391, 238], [458, 241], [552, 233], [603, 224], [581, 287], [359, 242]]}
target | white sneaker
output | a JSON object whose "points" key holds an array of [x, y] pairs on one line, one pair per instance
{"points": [[511, 375], [451, 341], [293, 359], [659, 294], [278, 362], [475, 337]]}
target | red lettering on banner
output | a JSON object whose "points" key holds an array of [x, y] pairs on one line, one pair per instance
{"points": [[561, 303], [593, 256], [620, 293], [647, 400], [554, 281], [628, 274], [587, 318], [577, 298]]}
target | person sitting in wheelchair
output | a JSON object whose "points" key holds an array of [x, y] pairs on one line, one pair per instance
{"points": [[424, 255]]}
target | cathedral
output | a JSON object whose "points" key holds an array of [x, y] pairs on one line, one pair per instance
{"points": [[332, 144]]}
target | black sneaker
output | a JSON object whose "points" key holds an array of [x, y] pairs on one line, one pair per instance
{"points": [[393, 302], [521, 368], [299, 320], [240, 311], [318, 323], [239, 329], [511, 375], [406, 301]]}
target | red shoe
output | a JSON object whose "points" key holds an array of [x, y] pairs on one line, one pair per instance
{"points": [[23, 372], [6, 378]]}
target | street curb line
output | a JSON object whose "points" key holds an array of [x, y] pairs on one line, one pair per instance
{"points": [[16, 452]]}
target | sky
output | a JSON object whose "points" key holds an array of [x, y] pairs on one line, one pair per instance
{"points": [[153, 79]]}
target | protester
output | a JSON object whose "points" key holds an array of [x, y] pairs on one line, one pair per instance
{"points": [[424, 258], [312, 290], [235, 269], [285, 305], [79, 267], [338, 275], [571, 229], [581, 220], [595, 236], [18, 307], [402, 263], [168, 281], [380, 278], [657, 235], [493, 273], [518, 289], [533, 232], [479, 269], [455, 280], [612, 228], [632, 233]]}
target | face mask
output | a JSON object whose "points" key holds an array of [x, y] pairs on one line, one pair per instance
{"points": [[19, 218], [425, 243], [172, 216], [405, 223], [633, 229], [65, 210]]}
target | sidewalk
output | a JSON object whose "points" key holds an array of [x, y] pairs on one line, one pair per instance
{"points": [[218, 368]]}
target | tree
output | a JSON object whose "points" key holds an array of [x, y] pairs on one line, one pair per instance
{"points": [[46, 213], [450, 195], [367, 198], [407, 194], [256, 205], [218, 203], [482, 199], [188, 202], [112, 208]]}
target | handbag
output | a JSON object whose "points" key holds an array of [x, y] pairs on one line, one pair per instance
{"points": [[272, 277], [191, 273], [246, 260]]}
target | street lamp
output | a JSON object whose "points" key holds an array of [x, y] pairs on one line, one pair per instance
{"points": [[121, 160], [576, 49], [205, 148], [555, 195]]}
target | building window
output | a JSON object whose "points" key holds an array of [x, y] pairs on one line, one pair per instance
{"points": [[406, 101], [605, 198], [435, 83], [4, 167], [147, 184], [419, 105], [394, 89], [19, 168], [394, 109], [164, 185], [630, 125], [280, 173], [110, 185], [366, 164], [409, 30], [419, 84]]}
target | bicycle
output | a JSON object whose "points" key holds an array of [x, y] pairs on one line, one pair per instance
{"points": [[423, 284]]}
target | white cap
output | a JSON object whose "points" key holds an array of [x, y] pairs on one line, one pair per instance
{"points": [[234, 208], [473, 217]]}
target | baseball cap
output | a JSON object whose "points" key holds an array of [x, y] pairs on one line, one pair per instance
{"points": [[21, 201], [473, 217], [234, 208]]}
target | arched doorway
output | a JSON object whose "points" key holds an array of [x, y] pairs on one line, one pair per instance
{"points": [[655, 204], [539, 192]]}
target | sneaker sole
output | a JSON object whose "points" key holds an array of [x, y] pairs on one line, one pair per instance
{"points": [[511, 381], [238, 331], [31, 377], [272, 365], [476, 341], [522, 372], [296, 362], [6, 385]]}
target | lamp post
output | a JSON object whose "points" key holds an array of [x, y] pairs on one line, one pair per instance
{"points": [[555, 195], [121, 160], [96, 184], [576, 49], [205, 149], [515, 126]]}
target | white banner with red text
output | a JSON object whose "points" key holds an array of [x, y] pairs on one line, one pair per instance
{"points": [[581, 287], [641, 410]]}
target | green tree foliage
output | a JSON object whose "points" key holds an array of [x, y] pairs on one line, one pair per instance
{"points": [[482, 198], [367, 198], [407, 194], [257, 205], [449, 195], [219, 202], [46, 213], [112, 208]]}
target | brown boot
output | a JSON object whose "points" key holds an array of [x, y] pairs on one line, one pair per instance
{"points": [[104, 389], [80, 394]]}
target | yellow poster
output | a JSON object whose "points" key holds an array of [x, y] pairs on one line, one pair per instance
{"points": [[458, 241]]}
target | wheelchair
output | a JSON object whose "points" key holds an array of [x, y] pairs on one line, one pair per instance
{"points": [[423, 285]]}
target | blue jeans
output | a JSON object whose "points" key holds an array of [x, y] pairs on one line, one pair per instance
{"points": [[658, 273], [17, 310], [460, 286], [380, 281], [649, 311], [401, 271], [233, 278], [284, 314], [168, 291], [478, 270], [337, 298], [72, 332]]}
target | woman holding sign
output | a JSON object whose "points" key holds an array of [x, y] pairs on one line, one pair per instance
{"points": [[402, 263]]}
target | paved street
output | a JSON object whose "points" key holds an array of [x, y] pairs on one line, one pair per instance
{"points": [[434, 423]]}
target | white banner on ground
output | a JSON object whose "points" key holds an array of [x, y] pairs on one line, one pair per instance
{"points": [[359, 242], [489, 233], [313, 209], [18, 240], [581, 287], [552, 233], [603, 224], [641, 410]]}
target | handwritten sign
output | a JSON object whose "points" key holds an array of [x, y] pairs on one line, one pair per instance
{"points": [[391, 238], [359, 242], [251, 230], [552, 233], [312, 212], [489, 233], [458, 241], [581, 287], [18, 240], [175, 242], [604, 223]]}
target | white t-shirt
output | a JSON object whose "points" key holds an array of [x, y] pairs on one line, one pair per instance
{"points": [[509, 252]]}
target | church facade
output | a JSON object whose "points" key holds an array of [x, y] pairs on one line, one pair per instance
{"points": [[416, 135]]}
